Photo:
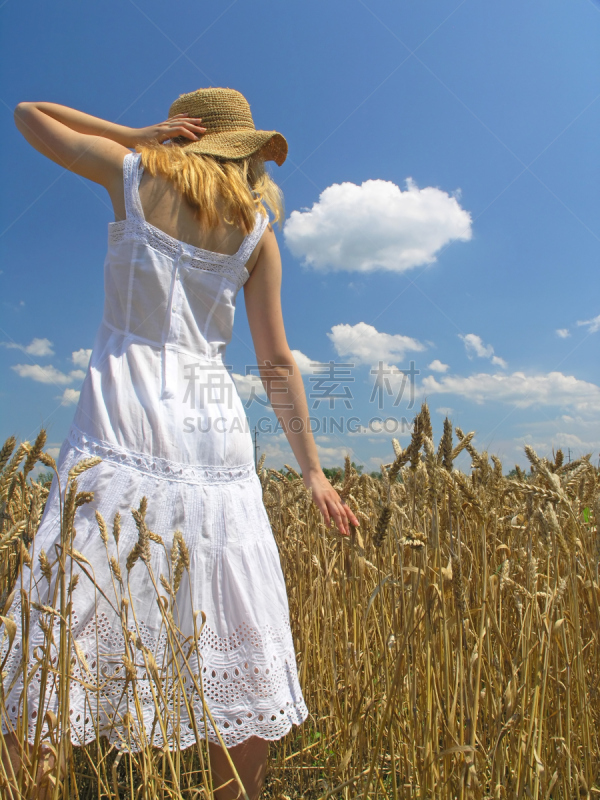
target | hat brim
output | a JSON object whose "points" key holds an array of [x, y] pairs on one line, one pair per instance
{"points": [[241, 144]]}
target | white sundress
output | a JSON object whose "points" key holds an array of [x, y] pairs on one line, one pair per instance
{"points": [[160, 408]]}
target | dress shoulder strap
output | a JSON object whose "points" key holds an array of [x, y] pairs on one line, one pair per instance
{"points": [[251, 240], [132, 174]]}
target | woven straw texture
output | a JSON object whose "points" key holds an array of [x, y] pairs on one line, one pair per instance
{"points": [[230, 130]]}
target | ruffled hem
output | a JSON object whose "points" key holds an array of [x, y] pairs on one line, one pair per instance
{"points": [[127, 654], [129, 743], [254, 692]]}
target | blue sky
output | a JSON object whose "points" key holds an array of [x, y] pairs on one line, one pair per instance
{"points": [[441, 196]]}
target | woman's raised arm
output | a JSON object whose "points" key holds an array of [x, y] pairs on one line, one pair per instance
{"points": [[282, 380], [90, 146]]}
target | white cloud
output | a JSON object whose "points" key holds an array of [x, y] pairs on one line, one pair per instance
{"points": [[579, 433], [359, 430], [36, 347], [593, 325], [333, 450], [437, 366], [474, 346], [559, 440], [564, 439], [53, 451], [366, 345], [519, 389], [563, 333], [278, 452], [246, 383], [47, 374], [382, 426], [445, 411], [376, 226], [81, 357], [334, 456], [69, 397], [77, 374], [305, 364]]}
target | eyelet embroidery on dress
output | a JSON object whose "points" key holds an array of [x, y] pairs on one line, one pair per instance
{"points": [[136, 228], [158, 467], [250, 669]]}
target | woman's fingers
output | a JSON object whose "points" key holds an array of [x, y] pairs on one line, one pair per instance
{"points": [[183, 120], [181, 125], [186, 130], [350, 516], [337, 512], [191, 123], [327, 510]]}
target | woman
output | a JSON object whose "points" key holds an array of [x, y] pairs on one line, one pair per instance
{"points": [[158, 406]]}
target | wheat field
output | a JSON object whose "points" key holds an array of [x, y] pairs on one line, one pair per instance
{"points": [[449, 648]]}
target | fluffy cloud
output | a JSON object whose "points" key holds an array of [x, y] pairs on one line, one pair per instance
{"points": [[578, 432], [277, 450], [331, 456], [305, 364], [81, 357], [47, 374], [560, 439], [445, 411], [366, 345], [69, 397], [474, 346], [562, 333], [36, 347], [376, 226], [519, 389], [245, 384], [593, 325], [437, 366]]}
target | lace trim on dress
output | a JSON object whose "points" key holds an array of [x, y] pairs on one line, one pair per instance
{"points": [[141, 231], [158, 467], [137, 228], [248, 679]]}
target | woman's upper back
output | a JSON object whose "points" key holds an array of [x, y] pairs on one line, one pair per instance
{"points": [[168, 210], [156, 202], [163, 291]]}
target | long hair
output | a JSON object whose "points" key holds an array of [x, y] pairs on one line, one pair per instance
{"points": [[243, 185]]}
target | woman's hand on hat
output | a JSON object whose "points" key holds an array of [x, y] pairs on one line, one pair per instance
{"points": [[179, 125]]}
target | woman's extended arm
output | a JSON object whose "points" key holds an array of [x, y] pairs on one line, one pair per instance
{"points": [[90, 146], [282, 380]]}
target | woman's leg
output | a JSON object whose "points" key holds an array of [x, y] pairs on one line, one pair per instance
{"points": [[11, 760], [250, 759], [11, 763]]}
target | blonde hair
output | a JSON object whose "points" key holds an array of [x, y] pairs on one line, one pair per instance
{"points": [[243, 185]]}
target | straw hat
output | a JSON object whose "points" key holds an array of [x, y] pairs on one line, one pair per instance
{"points": [[230, 131]]}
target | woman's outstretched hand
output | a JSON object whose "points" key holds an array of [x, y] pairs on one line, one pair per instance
{"points": [[329, 503], [179, 125]]}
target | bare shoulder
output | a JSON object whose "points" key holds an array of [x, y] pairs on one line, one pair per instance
{"points": [[266, 252]]}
